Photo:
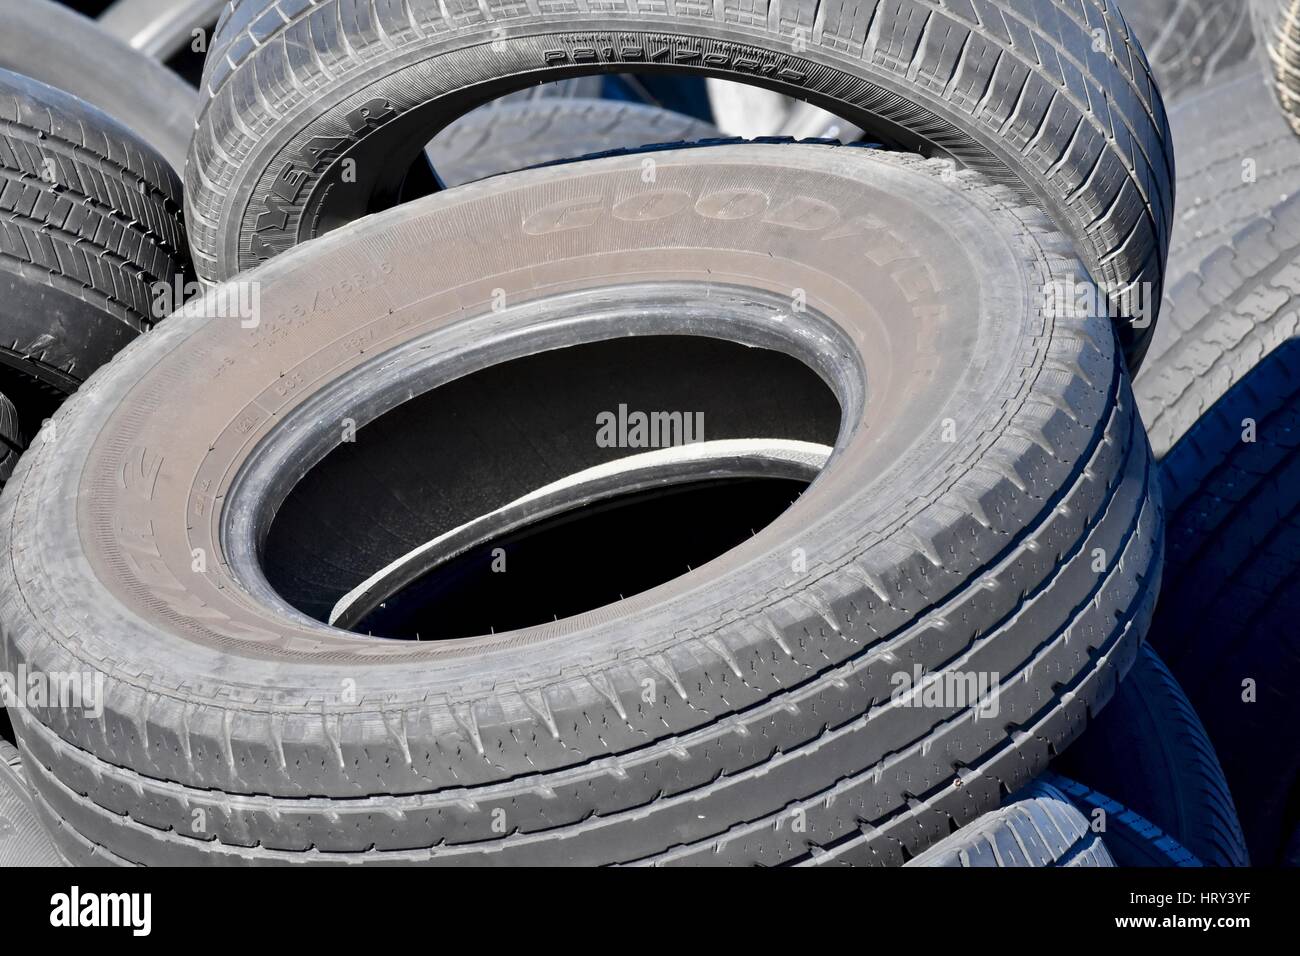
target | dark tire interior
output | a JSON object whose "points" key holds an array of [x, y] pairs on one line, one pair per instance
{"points": [[460, 451]]}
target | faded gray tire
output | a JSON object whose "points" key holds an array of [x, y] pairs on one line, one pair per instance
{"points": [[497, 139], [973, 556], [1224, 316], [50, 43], [1191, 44], [90, 221], [23, 841], [1277, 32], [1038, 827], [159, 28], [1149, 751], [1237, 158], [1050, 95]]}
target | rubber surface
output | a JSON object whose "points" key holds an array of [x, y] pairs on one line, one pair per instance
{"points": [[1052, 95], [1191, 44], [1038, 827], [50, 43], [769, 692], [90, 220], [1149, 751], [159, 28], [1227, 623], [1131, 839], [23, 841], [11, 439], [1223, 318], [1237, 159], [517, 135], [1277, 33], [1222, 405]]}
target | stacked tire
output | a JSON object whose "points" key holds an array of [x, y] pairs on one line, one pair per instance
{"points": [[930, 656], [92, 231]]}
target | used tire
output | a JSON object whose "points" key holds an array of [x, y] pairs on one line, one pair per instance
{"points": [[1131, 839], [11, 439], [1227, 625], [1149, 751], [23, 841], [90, 221], [1052, 96], [1191, 44], [1277, 32], [1237, 159], [1223, 317], [1039, 827], [517, 135], [769, 697], [50, 43], [1223, 406]]}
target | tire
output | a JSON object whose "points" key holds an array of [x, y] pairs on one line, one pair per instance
{"points": [[1234, 568], [1149, 751], [1191, 44], [11, 439], [48, 42], [982, 562], [1131, 838], [517, 135], [1038, 827], [1232, 586], [90, 220], [162, 28], [1277, 29], [1237, 159], [23, 841], [1224, 317], [265, 155], [159, 28]]}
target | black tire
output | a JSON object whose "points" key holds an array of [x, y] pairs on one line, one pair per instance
{"points": [[90, 220], [11, 439], [1149, 751], [50, 43], [1223, 405], [1131, 839], [767, 692], [23, 841], [497, 139], [159, 28], [1024, 97], [1277, 34], [1191, 44], [1291, 856], [1234, 572], [1038, 827]]}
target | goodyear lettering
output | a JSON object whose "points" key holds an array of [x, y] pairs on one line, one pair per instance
{"points": [[796, 212], [319, 151]]}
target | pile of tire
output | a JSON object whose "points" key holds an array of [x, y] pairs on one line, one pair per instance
{"points": [[350, 534]]}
